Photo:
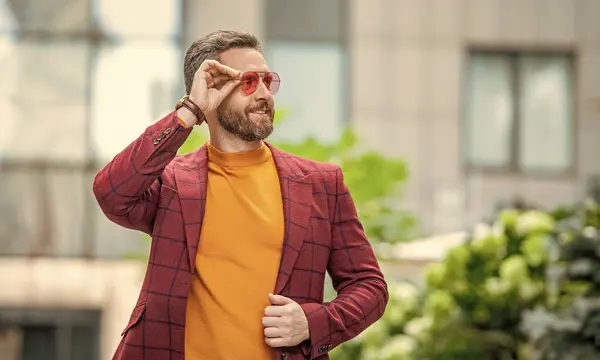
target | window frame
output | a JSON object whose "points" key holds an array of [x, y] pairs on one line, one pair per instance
{"points": [[62, 320], [515, 53]]}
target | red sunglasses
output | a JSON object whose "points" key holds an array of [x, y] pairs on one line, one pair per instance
{"points": [[251, 79]]}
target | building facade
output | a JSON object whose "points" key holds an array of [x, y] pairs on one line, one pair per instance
{"points": [[486, 100]]}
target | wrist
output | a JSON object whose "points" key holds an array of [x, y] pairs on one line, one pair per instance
{"points": [[189, 112], [188, 117]]}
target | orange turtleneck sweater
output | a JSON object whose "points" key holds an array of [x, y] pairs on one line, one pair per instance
{"points": [[238, 258]]}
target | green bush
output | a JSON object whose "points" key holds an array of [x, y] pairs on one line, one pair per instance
{"points": [[571, 329], [484, 300]]}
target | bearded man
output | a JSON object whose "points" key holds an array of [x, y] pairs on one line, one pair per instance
{"points": [[242, 233]]}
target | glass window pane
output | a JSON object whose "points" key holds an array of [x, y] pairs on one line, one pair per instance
{"points": [[43, 90], [56, 16], [545, 113], [84, 342], [489, 110], [117, 18], [134, 84], [42, 212], [313, 99], [39, 342], [306, 20]]}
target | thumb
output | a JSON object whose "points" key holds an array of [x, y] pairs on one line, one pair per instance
{"points": [[228, 87], [279, 300]]}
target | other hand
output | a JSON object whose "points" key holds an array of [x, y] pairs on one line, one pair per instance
{"points": [[284, 323]]}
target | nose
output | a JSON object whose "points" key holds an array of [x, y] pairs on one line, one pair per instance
{"points": [[262, 93]]}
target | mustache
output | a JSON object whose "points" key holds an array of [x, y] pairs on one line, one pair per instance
{"points": [[262, 105]]}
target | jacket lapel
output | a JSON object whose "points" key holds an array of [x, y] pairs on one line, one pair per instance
{"points": [[296, 191], [191, 185]]}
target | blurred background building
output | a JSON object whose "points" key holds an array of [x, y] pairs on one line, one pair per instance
{"points": [[486, 100]]}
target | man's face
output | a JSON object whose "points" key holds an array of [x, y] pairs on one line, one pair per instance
{"points": [[248, 116]]}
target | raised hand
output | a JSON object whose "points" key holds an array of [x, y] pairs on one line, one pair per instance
{"points": [[212, 83]]}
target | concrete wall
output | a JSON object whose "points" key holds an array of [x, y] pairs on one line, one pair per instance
{"points": [[109, 286]]}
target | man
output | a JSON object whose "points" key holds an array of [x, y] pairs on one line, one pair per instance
{"points": [[242, 233]]}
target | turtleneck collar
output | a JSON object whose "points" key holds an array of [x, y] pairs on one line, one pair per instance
{"points": [[238, 159]]}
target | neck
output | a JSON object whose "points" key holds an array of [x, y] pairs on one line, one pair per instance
{"points": [[227, 142]]}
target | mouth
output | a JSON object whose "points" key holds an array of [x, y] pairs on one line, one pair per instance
{"points": [[261, 113]]}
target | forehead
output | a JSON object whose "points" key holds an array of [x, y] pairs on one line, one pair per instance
{"points": [[244, 59]]}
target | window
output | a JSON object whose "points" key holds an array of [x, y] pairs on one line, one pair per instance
{"points": [[519, 112], [49, 334], [71, 70], [306, 46]]}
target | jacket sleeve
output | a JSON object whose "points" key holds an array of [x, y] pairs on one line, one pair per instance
{"points": [[127, 189], [362, 293]]}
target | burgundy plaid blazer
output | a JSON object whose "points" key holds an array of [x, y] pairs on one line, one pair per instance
{"points": [[147, 187]]}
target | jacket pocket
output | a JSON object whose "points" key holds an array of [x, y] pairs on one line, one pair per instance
{"points": [[136, 316]]}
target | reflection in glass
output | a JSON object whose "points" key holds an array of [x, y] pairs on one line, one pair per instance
{"points": [[311, 97], [138, 18], [134, 84], [43, 87], [489, 111], [545, 113]]}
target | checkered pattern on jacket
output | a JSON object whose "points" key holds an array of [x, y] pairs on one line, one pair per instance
{"points": [[147, 187]]}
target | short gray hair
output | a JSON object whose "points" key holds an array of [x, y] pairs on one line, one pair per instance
{"points": [[211, 46]]}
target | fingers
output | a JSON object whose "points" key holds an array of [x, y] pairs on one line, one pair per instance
{"points": [[228, 87], [213, 82], [272, 332], [217, 81], [275, 311], [271, 321], [276, 342], [212, 65], [279, 300]]}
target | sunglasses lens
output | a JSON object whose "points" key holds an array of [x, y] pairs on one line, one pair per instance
{"points": [[249, 82], [272, 81]]}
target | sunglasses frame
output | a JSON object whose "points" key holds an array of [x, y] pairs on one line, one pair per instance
{"points": [[261, 76]]}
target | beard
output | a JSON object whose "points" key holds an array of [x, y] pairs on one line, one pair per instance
{"points": [[239, 123]]}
